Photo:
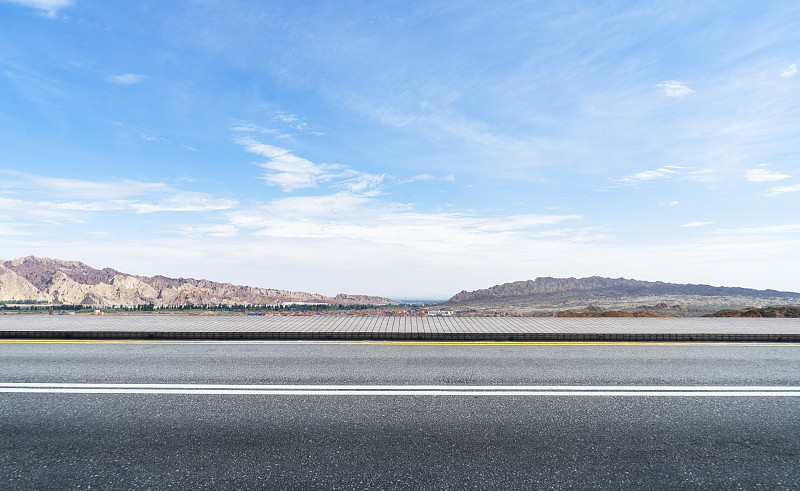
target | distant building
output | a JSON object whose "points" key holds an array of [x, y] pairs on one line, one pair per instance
{"points": [[440, 312], [289, 304]]}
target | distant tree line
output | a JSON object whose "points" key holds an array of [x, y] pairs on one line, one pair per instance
{"points": [[149, 307], [270, 307], [38, 306]]}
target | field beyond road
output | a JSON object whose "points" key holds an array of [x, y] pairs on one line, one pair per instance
{"points": [[443, 328]]}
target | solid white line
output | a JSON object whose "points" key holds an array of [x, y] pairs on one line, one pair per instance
{"points": [[408, 387], [411, 392], [395, 390]]}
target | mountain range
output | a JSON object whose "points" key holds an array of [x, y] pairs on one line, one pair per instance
{"points": [[55, 281], [553, 294]]}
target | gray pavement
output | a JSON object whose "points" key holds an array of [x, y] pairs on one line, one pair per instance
{"points": [[344, 327], [197, 441]]}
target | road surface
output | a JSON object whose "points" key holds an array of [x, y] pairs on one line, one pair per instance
{"points": [[206, 415]]}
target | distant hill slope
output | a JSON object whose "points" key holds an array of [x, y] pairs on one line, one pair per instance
{"points": [[72, 282], [555, 293], [779, 311]]}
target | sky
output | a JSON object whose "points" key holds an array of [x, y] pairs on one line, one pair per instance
{"points": [[409, 149]]}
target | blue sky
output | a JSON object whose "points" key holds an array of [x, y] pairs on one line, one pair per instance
{"points": [[407, 149]]}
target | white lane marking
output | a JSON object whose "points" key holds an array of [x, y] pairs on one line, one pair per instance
{"points": [[404, 387], [394, 390], [410, 393]]}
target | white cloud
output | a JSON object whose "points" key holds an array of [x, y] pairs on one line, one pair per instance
{"points": [[151, 138], [363, 182], [346, 216], [673, 88], [126, 79], [775, 191], [48, 7], [43, 211], [789, 72], [290, 120], [291, 172], [763, 175], [185, 202], [696, 224], [71, 200], [670, 172], [246, 127], [77, 211], [666, 172], [290, 123], [65, 188], [428, 177], [299, 208]]}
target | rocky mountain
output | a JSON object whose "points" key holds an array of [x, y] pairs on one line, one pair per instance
{"points": [[72, 282], [548, 293]]}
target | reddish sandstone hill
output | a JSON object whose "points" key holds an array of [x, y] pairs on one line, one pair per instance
{"points": [[72, 282]]}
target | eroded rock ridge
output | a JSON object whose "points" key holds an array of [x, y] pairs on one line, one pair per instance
{"points": [[72, 282]]}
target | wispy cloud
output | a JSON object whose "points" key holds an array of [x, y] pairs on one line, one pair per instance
{"points": [[368, 219], [291, 172], [696, 224], [71, 200], [247, 127], [185, 202], [291, 125], [789, 72], [669, 172], [126, 78], [764, 175], [775, 191], [66, 188], [152, 138], [48, 7], [363, 182], [428, 177], [61, 211], [673, 88], [666, 172], [42, 211], [290, 120]]}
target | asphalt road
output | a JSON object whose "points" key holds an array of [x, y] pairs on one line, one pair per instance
{"points": [[76, 440]]}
